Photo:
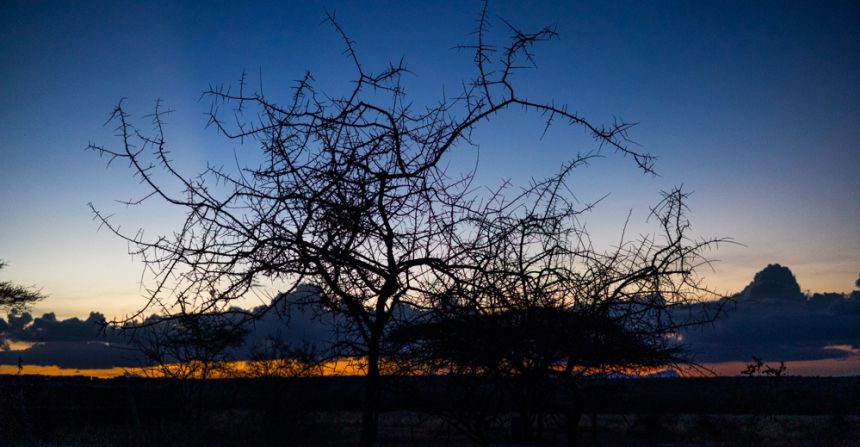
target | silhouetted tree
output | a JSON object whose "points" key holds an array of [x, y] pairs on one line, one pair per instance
{"points": [[188, 346], [352, 194], [191, 348], [15, 297], [545, 307], [276, 357], [763, 398], [758, 368]]}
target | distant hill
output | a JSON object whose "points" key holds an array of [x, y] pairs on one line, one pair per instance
{"points": [[773, 282]]}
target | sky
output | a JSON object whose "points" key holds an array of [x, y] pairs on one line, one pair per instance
{"points": [[752, 106]]}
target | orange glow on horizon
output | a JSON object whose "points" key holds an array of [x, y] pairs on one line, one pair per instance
{"points": [[849, 366], [234, 369], [54, 370]]}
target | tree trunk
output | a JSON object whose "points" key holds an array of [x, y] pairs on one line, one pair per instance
{"points": [[573, 417], [370, 412], [574, 411]]}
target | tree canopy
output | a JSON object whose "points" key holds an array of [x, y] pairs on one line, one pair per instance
{"points": [[355, 195], [17, 297]]}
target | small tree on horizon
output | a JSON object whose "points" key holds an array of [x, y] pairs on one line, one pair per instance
{"points": [[16, 297]]}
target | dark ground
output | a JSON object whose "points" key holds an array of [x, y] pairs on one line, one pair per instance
{"points": [[79, 411]]}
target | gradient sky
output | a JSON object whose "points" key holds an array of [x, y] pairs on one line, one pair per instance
{"points": [[754, 107]]}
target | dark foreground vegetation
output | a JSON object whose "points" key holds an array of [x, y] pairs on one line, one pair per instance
{"points": [[40, 410]]}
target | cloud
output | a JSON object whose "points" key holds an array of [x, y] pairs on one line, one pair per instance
{"points": [[772, 319], [76, 343], [69, 343], [297, 325], [23, 327], [75, 354]]}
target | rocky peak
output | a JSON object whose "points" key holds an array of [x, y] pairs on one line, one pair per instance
{"points": [[774, 282]]}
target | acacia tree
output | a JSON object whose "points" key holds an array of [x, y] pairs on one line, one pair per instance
{"points": [[183, 347], [187, 346], [543, 307], [352, 195], [16, 297]]}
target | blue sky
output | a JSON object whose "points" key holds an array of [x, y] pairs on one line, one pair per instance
{"points": [[754, 107]]}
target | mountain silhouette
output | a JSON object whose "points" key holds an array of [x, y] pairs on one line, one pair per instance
{"points": [[773, 282]]}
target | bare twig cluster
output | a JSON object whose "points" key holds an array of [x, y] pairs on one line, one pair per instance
{"points": [[354, 195]]}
